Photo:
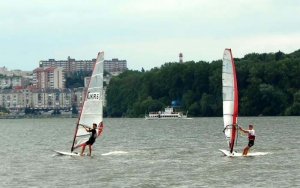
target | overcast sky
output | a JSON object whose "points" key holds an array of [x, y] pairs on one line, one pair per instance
{"points": [[146, 33]]}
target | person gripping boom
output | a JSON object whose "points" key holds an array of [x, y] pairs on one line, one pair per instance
{"points": [[91, 140], [251, 137]]}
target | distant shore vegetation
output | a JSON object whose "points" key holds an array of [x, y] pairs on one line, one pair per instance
{"points": [[76, 79], [268, 84]]}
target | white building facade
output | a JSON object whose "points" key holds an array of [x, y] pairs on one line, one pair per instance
{"points": [[49, 77], [41, 99], [11, 81]]}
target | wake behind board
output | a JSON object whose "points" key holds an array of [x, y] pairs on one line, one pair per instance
{"points": [[235, 154]]}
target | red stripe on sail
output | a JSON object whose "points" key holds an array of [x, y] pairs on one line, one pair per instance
{"points": [[100, 128], [235, 101]]}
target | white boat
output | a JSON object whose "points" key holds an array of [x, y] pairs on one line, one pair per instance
{"points": [[230, 99], [92, 108], [167, 114]]}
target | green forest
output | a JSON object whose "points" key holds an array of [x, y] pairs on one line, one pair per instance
{"points": [[268, 84], [76, 79]]}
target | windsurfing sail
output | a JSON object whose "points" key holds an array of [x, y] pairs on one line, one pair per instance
{"points": [[230, 98], [92, 107]]}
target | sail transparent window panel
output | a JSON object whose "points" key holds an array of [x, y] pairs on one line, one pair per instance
{"points": [[82, 132], [87, 119], [92, 107], [227, 66], [98, 68], [227, 121], [227, 79], [227, 93], [96, 81]]}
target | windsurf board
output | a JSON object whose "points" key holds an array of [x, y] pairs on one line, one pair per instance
{"points": [[66, 153], [236, 154]]}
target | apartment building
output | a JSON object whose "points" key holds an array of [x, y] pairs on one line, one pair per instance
{"points": [[16, 72], [12, 81], [11, 98], [48, 77], [41, 99], [3, 70], [71, 65], [115, 65], [51, 99]]}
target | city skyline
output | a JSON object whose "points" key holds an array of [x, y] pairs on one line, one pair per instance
{"points": [[144, 33]]}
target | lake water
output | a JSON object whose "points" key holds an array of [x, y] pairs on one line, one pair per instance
{"points": [[149, 153]]}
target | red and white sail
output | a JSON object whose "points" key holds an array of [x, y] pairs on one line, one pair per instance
{"points": [[230, 98], [92, 107]]}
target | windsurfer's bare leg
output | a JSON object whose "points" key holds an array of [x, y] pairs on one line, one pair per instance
{"points": [[83, 148], [246, 150], [90, 150]]}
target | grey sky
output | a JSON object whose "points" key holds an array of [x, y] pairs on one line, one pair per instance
{"points": [[146, 33]]}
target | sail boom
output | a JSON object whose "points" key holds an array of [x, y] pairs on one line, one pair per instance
{"points": [[83, 135]]}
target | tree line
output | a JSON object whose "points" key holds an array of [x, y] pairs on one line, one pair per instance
{"points": [[268, 84], [76, 78]]}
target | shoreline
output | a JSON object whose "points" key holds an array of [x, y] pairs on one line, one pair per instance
{"points": [[39, 116]]}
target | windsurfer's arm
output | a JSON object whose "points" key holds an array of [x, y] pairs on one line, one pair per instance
{"points": [[245, 131], [87, 130]]}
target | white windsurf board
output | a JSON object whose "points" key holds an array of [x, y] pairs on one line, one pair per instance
{"points": [[235, 154], [65, 153]]}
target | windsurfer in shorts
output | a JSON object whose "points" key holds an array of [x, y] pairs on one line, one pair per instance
{"points": [[91, 140], [251, 136]]}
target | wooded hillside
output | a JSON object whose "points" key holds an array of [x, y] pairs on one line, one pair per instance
{"points": [[268, 84]]}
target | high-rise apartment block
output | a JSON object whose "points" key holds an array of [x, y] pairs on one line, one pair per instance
{"points": [[71, 65], [49, 77], [115, 65]]}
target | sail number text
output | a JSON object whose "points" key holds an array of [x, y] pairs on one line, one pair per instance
{"points": [[93, 96]]}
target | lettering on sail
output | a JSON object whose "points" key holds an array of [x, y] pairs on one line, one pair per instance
{"points": [[93, 97]]}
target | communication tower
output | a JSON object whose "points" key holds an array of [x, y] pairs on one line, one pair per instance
{"points": [[180, 58]]}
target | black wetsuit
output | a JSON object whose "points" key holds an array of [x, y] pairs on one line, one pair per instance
{"points": [[92, 137]]}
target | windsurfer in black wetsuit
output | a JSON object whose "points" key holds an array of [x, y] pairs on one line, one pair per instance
{"points": [[91, 140]]}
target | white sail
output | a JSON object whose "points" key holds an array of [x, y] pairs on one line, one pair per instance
{"points": [[92, 108], [230, 97]]}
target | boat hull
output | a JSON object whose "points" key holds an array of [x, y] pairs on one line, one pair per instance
{"points": [[165, 118], [167, 114]]}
